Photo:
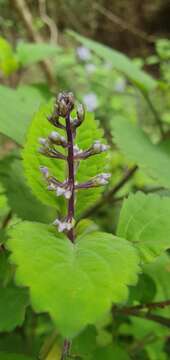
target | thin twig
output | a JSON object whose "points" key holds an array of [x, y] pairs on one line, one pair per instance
{"points": [[154, 112], [138, 311], [108, 196], [153, 317], [6, 220], [26, 16], [48, 21], [123, 24], [150, 306]]}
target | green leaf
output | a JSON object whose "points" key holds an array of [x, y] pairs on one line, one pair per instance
{"points": [[8, 356], [41, 127], [30, 53], [63, 276], [17, 109], [86, 135], [144, 220], [85, 343], [110, 352], [145, 290], [86, 226], [20, 199], [13, 302], [136, 146], [120, 62], [8, 62], [159, 271]]}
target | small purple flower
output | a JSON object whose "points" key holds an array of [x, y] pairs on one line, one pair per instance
{"points": [[120, 85], [91, 101], [83, 53]]}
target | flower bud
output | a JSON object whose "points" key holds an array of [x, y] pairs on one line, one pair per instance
{"points": [[98, 147], [102, 179], [57, 139], [44, 171], [63, 191], [65, 103], [80, 113], [43, 141]]}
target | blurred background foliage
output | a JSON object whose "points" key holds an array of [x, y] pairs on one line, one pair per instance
{"points": [[41, 53]]}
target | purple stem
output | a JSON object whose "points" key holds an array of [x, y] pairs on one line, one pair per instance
{"points": [[70, 160]]}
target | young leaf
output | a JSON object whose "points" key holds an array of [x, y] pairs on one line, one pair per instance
{"points": [[63, 276], [120, 62], [144, 220], [30, 53], [136, 146], [13, 302], [17, 108], [86, 136]]}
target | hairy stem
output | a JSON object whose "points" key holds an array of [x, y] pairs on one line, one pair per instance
{"points": [[70, 161]]}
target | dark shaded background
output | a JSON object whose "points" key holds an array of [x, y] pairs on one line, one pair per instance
{"points": [[127, 25]]}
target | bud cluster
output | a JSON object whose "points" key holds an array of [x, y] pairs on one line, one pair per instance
{"points": [[71, 153]]}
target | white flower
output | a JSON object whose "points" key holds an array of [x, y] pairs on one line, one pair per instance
{"points": [[63, 225], [63, 191], [51, 186], [90, 68], [91, 101], [77, 150], [98, 147], [83, 53], [102, 179]]}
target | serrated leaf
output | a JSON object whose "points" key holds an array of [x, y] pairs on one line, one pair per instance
{"points": [[63, 276], [136, 146], [10, 356], [20, 199], [86, 135], [17, 108], [8, 61], [144, 220], [31, 53], [120, 62], [13, 302]]}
